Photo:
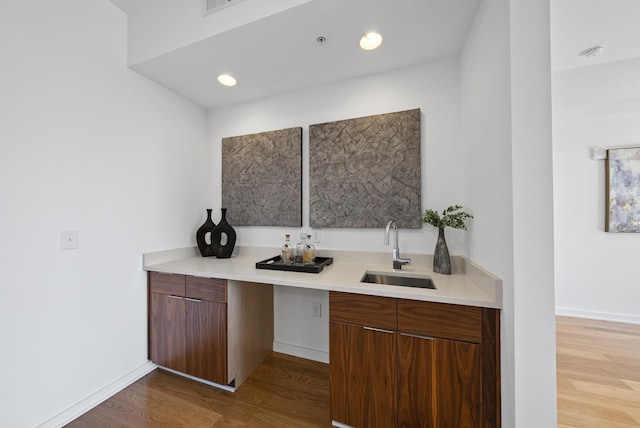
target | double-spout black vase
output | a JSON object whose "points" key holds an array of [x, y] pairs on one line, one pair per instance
{"points": [[207, 249], [223, 237]]}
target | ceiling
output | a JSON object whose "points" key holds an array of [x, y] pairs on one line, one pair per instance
{"points": [[280, 53], [579, 24]]}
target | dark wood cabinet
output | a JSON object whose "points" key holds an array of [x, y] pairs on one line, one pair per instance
{"points": [[167, 326], [206, 340], [439, 383], [421, 364], [208, 328], [363, 360], [363, 375], [189, 333], [440, 365]]}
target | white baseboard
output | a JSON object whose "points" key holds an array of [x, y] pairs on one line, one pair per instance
{"points": [[197, 379], [604, 316], [301, 351], [98, 397], [340, 425]]}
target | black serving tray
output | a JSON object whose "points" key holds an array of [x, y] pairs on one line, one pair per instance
{"points": [[275, 263]]}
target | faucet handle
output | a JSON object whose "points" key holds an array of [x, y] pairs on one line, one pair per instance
{"points": [[398, 263]]}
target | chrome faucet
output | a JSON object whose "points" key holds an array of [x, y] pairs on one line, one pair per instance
{"points": [[397, 261]]}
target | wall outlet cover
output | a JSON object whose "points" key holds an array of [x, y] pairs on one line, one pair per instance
{"points": [[68, 239]]}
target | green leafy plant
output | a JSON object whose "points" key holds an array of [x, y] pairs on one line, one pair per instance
{"points": [[451, 217]]}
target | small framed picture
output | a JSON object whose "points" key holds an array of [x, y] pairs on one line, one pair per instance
{"points": [[623, 190]]}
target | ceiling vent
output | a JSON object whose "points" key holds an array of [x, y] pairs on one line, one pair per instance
{"points": [[213, 6]]}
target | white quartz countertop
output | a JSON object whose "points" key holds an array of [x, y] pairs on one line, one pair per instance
{"points": [[468, 285]]}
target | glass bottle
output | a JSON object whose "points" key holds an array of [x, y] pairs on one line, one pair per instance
{"points": [[308, 252], [287, 251], [300, 249]]}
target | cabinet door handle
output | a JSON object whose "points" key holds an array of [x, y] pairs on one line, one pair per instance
{"points": [[417, 336], [378, 329], [193, 300], [174, 297]]}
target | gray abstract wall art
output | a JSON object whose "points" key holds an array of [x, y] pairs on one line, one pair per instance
{"points": [[262, 178], [365, 171], [623, 190]]}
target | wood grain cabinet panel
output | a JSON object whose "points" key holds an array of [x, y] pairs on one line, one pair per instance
{"points": [[377, 405], [445, 359], [167, 283], [188, 334], [442, 320], [362, 374], [439, 383], [210, 289], [206, 340], [167, 326], [213, 329], [372, 311], [458, 384]]}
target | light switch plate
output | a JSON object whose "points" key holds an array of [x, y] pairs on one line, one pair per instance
{"points": [[68, 239]]}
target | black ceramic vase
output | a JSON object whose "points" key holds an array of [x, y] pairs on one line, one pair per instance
{"points": [[223, 232], [441, 259], [206, 249]]}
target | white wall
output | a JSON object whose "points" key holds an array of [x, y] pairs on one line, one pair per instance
{"points": [[596, 272], [87, 145], [486, 132], [506, 131], [532, 170], [432, 87]]}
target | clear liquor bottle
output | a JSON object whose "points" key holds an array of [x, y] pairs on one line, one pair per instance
{"points": [[308, 252], [287, 251], [300, 249]]}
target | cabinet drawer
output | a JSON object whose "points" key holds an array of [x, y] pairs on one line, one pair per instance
{"points": [[166, 283], [371, 311], [441, 320], [209, 289]]}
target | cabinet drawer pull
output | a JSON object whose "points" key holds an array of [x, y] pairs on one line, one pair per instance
{"points": [[193, 300], [417, 336], [378, 329], [174, 297]]}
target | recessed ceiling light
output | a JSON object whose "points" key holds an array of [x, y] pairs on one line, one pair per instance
{"points": [[227, 80], [370, 41], [592, 51]]}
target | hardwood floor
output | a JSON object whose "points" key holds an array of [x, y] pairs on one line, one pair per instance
{"points": [[598, 386], [283, 392], [598, 373]]}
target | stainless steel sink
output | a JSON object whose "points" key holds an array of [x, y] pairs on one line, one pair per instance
{"points": [[400, 279]]}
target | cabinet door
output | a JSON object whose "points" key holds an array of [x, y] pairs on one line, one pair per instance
{"points": [[206, 340], [362, 375], [439, 383], [167, 344]]}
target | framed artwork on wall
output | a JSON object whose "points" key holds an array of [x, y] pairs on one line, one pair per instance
{"points": [[365, 171], [262, 178], [623, 190]]}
